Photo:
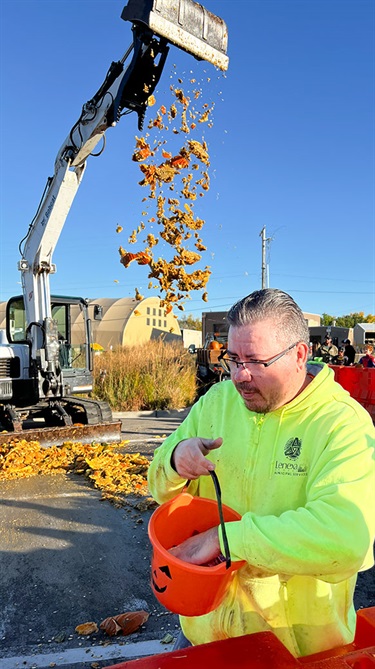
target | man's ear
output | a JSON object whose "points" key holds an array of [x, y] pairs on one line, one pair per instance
{"points": [[302, 354]]}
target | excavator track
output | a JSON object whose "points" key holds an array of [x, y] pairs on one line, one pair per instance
{"points": [[94, 411], [56, 436], [91, 422]]}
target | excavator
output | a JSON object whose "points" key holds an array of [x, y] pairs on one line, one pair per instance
{"points": [[45, 372]]}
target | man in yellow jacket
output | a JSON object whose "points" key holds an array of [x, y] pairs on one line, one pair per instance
{"points": [[294, 454]]}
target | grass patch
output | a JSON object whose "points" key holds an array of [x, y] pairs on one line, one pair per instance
{"points": [[154, 375]]}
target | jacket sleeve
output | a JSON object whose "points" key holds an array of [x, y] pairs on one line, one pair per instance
{"points": [[163, 481], [331, 536]]}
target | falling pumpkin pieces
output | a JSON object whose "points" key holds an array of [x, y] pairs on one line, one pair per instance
{"points": [[173, 225], [142, 258]]}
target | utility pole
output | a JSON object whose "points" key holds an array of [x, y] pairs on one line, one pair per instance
{"points": [[265, 239]]}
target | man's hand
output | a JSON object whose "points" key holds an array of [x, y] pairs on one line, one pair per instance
{"points": [[200, 549], [188, 458]]}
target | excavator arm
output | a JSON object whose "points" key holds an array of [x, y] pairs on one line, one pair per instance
{"points": [[122, 88], [47, 386], [184, 23]]}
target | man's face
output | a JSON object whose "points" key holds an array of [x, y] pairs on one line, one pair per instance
{"points": [[265, 389], [328, 341]]}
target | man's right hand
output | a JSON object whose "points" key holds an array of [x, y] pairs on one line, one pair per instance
{"points": [[188, 458]]}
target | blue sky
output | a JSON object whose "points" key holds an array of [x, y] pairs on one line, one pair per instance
{"points": [[291, 148]]}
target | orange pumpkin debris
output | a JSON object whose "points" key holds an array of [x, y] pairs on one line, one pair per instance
{"points": [[126, 623]]}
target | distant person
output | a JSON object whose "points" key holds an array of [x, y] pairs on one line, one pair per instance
{"points": [[368, 360], [327, 351], [349, 352], [340, 358], [315, 347]]}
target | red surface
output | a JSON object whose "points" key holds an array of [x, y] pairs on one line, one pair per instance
{"points": [[258, 651], [360, 383], [265, 651], [365, 631]]}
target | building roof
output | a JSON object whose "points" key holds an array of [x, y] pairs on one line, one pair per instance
{"points": [[368, 327]]}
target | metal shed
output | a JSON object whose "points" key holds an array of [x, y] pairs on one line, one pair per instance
{"points": [[364, 333]]}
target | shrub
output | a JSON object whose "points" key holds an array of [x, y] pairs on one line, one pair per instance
{"points": [[154, 375]]}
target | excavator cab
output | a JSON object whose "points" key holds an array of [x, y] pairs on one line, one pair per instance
{"points": [[30, 400], [67, 337]]}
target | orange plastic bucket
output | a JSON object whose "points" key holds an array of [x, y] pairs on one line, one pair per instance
{"points": [[184, 588]]}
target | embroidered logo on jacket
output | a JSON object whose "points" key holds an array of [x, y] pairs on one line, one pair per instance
{"points": [[292, 448], [292, 451]]}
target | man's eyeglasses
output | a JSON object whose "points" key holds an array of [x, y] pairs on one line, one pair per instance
{"points": [[236, 364]]}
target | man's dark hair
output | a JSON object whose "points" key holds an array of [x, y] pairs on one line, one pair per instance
{"points": [[271, 303]]}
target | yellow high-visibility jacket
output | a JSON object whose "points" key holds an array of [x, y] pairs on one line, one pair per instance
{"points": [[303, 479]]}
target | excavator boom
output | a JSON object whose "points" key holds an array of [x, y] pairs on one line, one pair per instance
{"points": [[41, 398]]}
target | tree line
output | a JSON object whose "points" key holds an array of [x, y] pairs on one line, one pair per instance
{"points": [[349, 320]]}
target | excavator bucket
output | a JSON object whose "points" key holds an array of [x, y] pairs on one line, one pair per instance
{"points": [[106, 433], [186, 24]]}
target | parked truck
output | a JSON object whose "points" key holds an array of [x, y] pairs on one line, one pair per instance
{"points": [[44, 376], [210, 367]]}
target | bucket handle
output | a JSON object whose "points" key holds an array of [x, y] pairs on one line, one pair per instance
{"points": [[216, 483]]}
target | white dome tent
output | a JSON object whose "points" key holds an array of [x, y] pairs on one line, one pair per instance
{"points": [[126, 322]]}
